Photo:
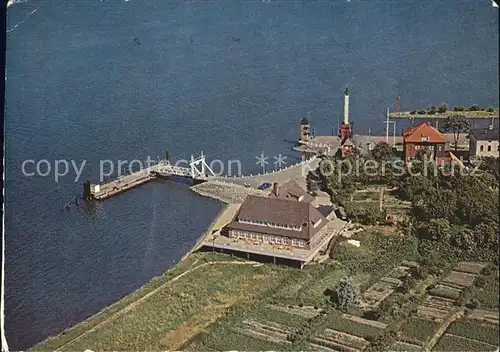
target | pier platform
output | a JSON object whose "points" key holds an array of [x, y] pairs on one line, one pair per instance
{"points": [[123, 183]]}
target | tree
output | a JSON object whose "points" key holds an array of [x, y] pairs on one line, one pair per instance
{"points": [[474, 108], [346, 294], [382, 152], [408, 283], [464, 240], [490, 109], [432, 110], [459, 108], [456, 124], [442, 108], [437, 229]]}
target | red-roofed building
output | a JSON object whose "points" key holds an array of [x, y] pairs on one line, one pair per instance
{"points": [[425, 137]]}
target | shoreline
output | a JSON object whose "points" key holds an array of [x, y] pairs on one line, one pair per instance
{"points": [[144, 287], [227, 193]]}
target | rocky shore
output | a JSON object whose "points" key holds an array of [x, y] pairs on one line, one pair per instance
{"points": [[226, 192]]}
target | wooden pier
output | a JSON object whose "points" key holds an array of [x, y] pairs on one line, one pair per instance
{"points": [[198, 171], [123, 183]]}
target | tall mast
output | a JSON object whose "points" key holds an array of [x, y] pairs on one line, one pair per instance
{"points": [[387, 127], [346, 107]]}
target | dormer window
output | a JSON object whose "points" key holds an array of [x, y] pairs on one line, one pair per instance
{"points": [[301, 198], [316, 224]]}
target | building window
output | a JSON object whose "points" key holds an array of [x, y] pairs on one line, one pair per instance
{"points": [[481, 148], [295, 242], [278, 240], [259, 237], [489, 148], [302, 243]]}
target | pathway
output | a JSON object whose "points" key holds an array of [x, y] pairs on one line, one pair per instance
{"points": [[140, 300]]}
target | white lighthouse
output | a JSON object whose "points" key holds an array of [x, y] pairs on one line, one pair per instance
{"points": [[345, 127], [346, 107]]}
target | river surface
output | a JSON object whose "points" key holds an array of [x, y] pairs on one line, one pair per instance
{"points": [[122, 80]]}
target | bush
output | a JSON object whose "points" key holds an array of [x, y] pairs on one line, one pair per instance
{"points": [[488, 270], [432, 110], [490, 109], [480, 281], [459, 108], [472, 304], [413, 112], [422, 112], [442, 108], [474, 108]]}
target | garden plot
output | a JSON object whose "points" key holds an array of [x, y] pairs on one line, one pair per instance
{"points": [[305, 312], [354, 325], [470, 267], [451, 342], [374, 323], [435, 307], [490, 316], [475, 330], [384, 287], [445, 291], [459, 279], [417, 331], [337, 340], [398, 272], [270, 331], [404, 347], [376, 294]]}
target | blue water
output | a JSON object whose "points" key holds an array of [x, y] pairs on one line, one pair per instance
{"points": [[79, 87]]}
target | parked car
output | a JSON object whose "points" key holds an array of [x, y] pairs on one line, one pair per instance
{"points": [[264, 186]]}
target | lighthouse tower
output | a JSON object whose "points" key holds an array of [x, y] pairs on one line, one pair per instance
{"points": [[345, 127]]}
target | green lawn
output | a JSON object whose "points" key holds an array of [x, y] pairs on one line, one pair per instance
{"points": [[314, 292]]}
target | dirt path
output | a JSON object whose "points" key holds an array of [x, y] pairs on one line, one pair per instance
{"points": [[432, 342], [140, 300]]}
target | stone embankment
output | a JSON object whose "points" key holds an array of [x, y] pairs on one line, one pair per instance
{"points": [[226, 192]]}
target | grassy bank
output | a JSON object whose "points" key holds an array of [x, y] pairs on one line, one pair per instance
{"points": [[162, 315]]}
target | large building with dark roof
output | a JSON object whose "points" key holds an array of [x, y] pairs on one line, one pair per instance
{"points": [[484, 142], [290, 190], [277, 221]]}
